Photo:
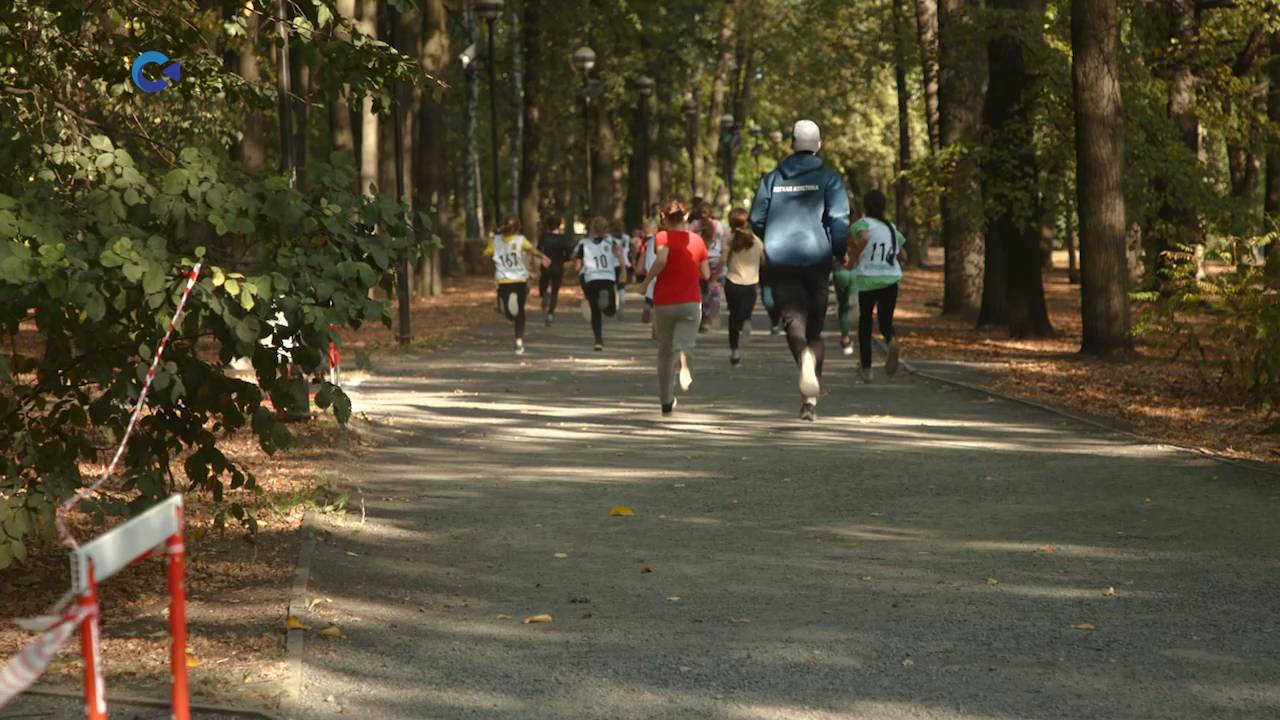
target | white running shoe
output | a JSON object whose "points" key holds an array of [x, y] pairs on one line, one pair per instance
{"points": [[513, 305], [891, 362], [809, 386], [846, 345], [686, 375], [519, 346]]}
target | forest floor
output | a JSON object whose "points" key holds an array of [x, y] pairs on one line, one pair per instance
{"points": [[1151, 393], [238, 582]]}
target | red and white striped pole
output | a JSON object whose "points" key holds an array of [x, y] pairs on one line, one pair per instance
{"points": [[95, 703], [176, 553]]}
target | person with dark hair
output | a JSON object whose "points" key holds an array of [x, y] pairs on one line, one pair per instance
{"points": [[876, 257], [680, 264], [554, 246], [508, 250], [802, 212], [745, 255], [596, 260]]}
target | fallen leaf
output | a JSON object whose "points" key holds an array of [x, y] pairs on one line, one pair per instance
{"points": [[819, 540], [560, 556], [1146, 499], [1049, 549], [332, 631], [544, 618], [503, 616], [646, 569], [674, 598], [621, 511], [992, 581], [293, 623], [1085, 626], [311, 604], [851, 546], [739, 621], [193, 661], [1109, 592], [908, 663], [353, 554]]}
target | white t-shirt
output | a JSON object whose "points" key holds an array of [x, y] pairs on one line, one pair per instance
{"points": [[508, 258], [598, 260], [650, 257], [880, 257]]}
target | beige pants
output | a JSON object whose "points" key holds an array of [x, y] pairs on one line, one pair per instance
{"points": [[676, 330]]}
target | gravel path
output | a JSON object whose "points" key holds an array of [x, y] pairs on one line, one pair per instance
{"points": [[920, 552]]}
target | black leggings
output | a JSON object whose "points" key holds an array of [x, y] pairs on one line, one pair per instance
{"points": [[594, 291], [886, 298], [742, 300], [550, 280], [800, 296], [521, 291]]}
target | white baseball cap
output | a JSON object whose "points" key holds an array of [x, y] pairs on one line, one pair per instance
{"points": [[806, 136]]}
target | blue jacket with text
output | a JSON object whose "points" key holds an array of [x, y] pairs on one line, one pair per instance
{"points": [[802, 212]]}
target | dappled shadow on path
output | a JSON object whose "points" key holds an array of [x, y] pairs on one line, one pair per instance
{"points": [[920, 552]]}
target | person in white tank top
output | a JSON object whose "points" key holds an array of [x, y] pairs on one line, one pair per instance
{"points": [[510, 252], [597, 260]]}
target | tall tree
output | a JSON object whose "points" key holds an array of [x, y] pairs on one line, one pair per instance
{"points": [[341, 130], [1100, 160], [719, 94], [531, 111], [927, 31], [1271, 195], [430, 143], [517, 108], [368, 25], [1013, 291], [251, 150], [961, 87], [902, 185], [471, 131]]}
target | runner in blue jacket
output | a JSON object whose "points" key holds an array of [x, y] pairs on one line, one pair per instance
{"points": [[802, 212]]}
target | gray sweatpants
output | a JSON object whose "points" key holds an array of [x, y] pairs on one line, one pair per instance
{"points": [[676, 330]]}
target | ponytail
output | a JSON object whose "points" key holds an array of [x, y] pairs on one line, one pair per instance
{"points": [[743, 238]]}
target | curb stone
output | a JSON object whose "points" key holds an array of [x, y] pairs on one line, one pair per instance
{"points": [[295, 642]]}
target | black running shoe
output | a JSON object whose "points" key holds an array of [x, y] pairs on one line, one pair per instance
{"points": [[808, 412], [668, 408]]}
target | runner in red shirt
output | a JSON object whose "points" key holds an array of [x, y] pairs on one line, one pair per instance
{"points": [[680, 264]]}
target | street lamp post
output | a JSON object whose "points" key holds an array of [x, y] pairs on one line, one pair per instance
{"points": [[690, 107], [638, 187], [491, 10], [584, 58]]}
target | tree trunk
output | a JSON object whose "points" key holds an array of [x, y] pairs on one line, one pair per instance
{"points": [[902, 186], [1271, 193], [251, 151], [962, 80], [300, 72], [1178, 221], [429, 145], [368, 25], [517, 108], [531, 124], [719, 93], [341, 129], [927, 32], [1069, 222], [1100, 161], [603, 151], [471, 164]]}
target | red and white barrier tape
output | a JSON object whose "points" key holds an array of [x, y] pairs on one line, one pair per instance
{"points": [[24, 668], [82, 493]]}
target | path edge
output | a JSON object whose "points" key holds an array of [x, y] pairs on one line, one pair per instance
{"points": [[295, 640], [1094, 423]]}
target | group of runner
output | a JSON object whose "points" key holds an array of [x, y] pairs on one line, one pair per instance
{"points": [[786, 249]]}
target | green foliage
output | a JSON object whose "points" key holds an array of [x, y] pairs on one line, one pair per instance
{"points": [[1228, 324], [107, 198]]}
